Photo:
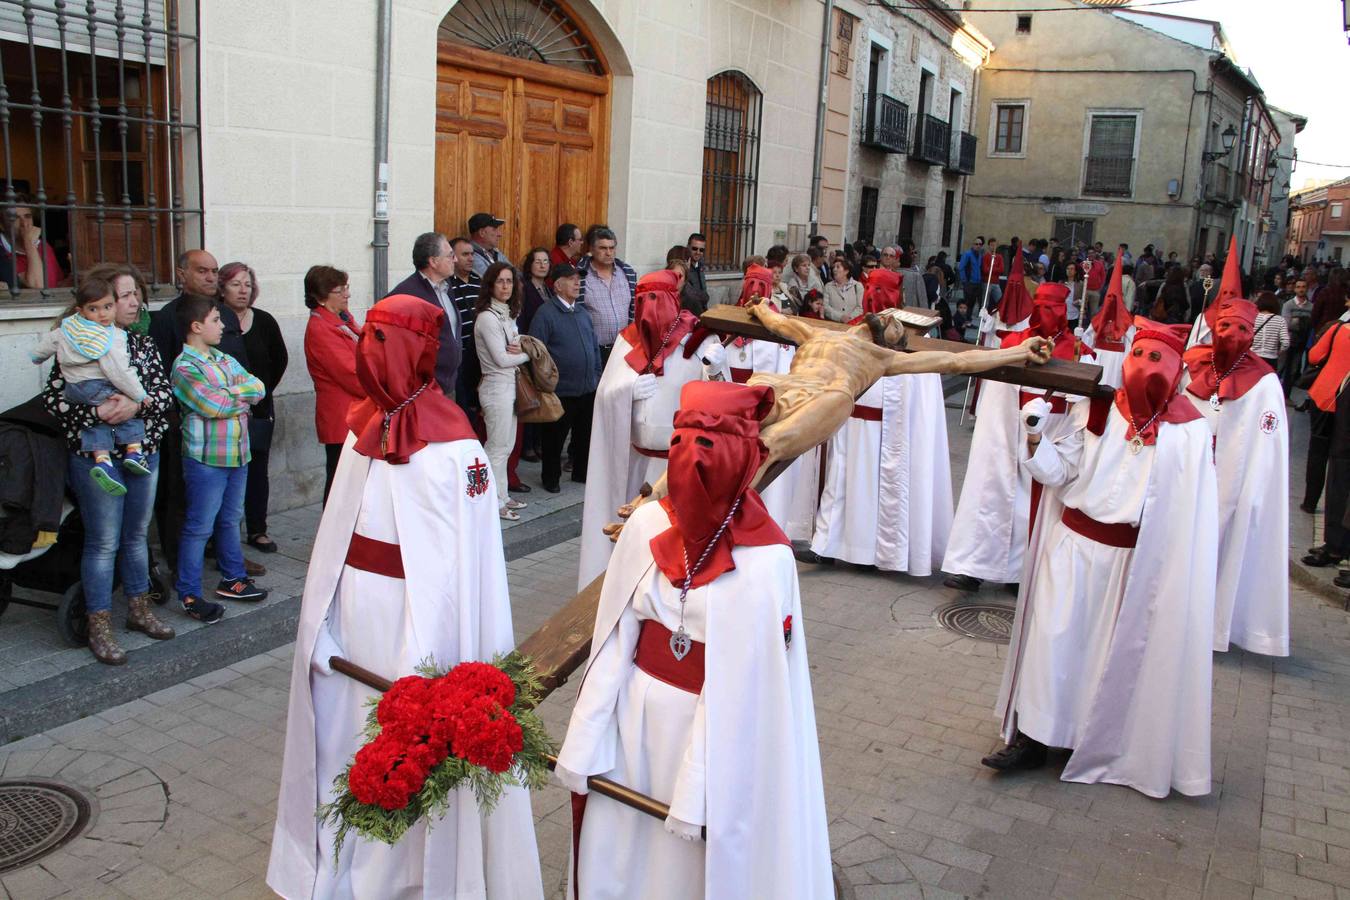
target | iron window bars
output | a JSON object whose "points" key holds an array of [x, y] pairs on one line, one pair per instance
{"points": [[100, 130], [730, 169]]}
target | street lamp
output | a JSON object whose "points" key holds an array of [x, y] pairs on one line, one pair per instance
{"points": [[1227, 139]]}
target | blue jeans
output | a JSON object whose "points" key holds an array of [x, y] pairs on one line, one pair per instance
{"points": [[215, 504], [114, 531], [103, 438]]}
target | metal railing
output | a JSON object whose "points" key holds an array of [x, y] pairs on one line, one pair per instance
{"points": [[932, 140], [1108, 176], [962, 159], [887, 124], [99, 129]]}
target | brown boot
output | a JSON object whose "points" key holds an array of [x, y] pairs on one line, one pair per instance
{"points": [[101, 641], [141, 617]]}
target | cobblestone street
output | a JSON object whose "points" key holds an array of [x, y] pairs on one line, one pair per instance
{"points": [[185, 779]]}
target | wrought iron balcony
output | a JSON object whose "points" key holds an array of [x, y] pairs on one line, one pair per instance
{"points": [[932, 140], [962, 160], [887, 123]]}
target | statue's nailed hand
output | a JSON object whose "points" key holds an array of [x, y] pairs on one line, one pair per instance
{"points": [[614, 529], [1038, 350]]}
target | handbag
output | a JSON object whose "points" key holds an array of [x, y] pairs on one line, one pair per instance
{"points": [[528, 397], [550, 409], [1310, 374]]}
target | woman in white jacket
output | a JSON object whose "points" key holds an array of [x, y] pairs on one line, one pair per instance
{"points": [[499, 353]]}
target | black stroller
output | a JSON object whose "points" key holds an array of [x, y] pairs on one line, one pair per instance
{"points": [[54, 569]]}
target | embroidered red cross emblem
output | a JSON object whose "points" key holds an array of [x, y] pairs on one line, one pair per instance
{"points": [[478, 479], [1269, 422]]}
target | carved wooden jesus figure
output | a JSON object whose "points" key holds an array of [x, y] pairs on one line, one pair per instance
{"points": [[831, 369]]}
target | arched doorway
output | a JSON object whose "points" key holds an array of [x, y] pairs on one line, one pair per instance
{"points": [[522, 120]]}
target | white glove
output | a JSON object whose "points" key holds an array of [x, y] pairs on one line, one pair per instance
{"points": [[682, 829], [1079, 331], [324, 648], [645, 387], [713, 354], [571, 780], [1035, 413]]}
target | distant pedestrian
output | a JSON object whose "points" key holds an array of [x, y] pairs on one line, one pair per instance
{"points": [[485, 230], [330, 355], [608, 288], [565, 327]]}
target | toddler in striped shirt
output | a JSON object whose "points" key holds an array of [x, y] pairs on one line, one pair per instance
{"points": [[95, 365]]}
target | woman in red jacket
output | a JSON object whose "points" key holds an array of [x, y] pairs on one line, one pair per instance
{"points": [[1329, 443], [330, 353]]}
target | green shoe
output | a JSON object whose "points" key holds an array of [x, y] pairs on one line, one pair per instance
{"points": [[105, 476]]}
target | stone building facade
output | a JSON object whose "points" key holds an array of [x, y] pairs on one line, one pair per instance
{"points": [[1118, 126]]}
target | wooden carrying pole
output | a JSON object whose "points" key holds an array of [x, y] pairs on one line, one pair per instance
{"points": [[602, 786]]}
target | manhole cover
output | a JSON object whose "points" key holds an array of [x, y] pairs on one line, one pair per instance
{"points": [[981, 621], [36, 817]]}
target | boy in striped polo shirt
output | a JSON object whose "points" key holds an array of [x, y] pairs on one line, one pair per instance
{"points": [[215, 394]]}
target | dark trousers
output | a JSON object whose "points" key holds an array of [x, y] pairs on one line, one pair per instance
{"points": [[258, 490], [332, 453], [171, 496], [1292, 368], [1338, 480], [576, 418], [1319, 448]]}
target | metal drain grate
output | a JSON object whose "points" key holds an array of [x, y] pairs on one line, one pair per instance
{"points": [[36, 817], [981, 621]]}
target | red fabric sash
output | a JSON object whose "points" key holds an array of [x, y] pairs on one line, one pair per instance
{"points": [[378, 557], [1057, 403], [654, 454], [741, 376], [1117, 346], [653, 656], [1112, 535], [867, 413]]}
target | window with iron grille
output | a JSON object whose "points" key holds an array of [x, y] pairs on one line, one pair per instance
{"points": [[867, 214], [1109, 167], [99, 123], [1011, 120], [730, 169]]}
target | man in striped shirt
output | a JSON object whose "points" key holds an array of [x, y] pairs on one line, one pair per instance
{"points": [[215, 393], [608, 287]]}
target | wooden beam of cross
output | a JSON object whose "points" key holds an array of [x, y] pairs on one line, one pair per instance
{"points": [[563, 643]]}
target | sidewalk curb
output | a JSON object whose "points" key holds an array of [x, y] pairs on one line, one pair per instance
{"points": [[1303, 577], [91, 688]]}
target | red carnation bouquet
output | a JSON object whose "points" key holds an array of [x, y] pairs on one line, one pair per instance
{"points": [[435, 732]]}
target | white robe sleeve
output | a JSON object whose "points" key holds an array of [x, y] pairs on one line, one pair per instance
{"points": [[1055, 463], [592, 733], [688, 805]]}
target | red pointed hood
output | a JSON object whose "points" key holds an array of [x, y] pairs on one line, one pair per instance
{"points": [[1113, 319], [1016, 303], [1230, 287]]}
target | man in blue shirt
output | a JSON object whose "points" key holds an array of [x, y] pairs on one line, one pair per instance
{"points": [[968, 269]]}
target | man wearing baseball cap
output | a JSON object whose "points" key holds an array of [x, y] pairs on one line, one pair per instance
{"points": [[485, 232]]}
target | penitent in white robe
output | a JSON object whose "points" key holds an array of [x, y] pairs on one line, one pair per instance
{"points": [[1112, 361], [1251, 455], [452, 607], [792, 494], [989, 532], [615, 471], [740, 759], [887, 499], [1111, 647]]}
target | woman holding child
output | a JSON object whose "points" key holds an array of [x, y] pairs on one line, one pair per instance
{"points": [[115, 523]]}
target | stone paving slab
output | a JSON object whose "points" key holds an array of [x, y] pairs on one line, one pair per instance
{"points": [[904, 711]]}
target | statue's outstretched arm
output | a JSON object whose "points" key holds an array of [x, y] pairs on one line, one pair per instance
{"points": [[1034, 350], [784, 326]]}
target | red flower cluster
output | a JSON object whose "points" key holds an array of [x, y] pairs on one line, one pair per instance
{"points": [[423, 720]]}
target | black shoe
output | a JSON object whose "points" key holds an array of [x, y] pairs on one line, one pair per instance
{"points": [[807, 555], [1321, 558], [962, 582], [1023, 753], [1342, 579], [240, 589], [203, 610], [552, 488], [1308, 507], [521, 488], [581, 480]]}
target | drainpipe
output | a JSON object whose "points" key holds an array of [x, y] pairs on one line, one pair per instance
{"points": [[817, 157], [380, 241]]}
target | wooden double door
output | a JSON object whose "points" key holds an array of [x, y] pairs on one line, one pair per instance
{"points": [[525, 141]]}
